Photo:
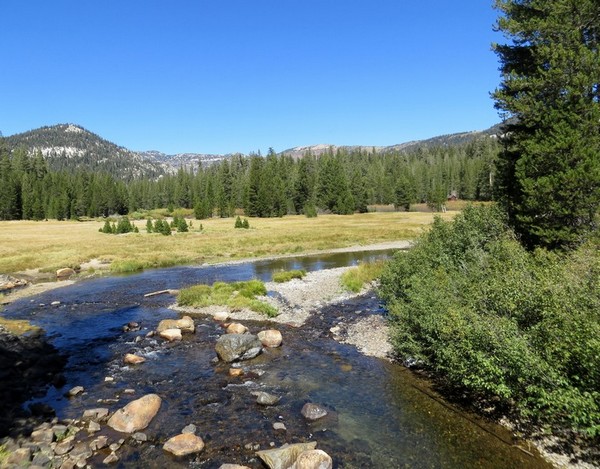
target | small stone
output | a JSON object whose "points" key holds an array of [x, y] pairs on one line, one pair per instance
{"points": [[236, 328], [99, 443], [140, 437], [64, 273], [191, 428], [313, 459], [41, 460], [111, 458], [270, 338], [19, 457], [279, 426], [171, 335], [132, 359], [136, 415], [264, 398], [109, 379], [221, 316], [64, 446], [129, 391], [236, 371], [116, 445], [81, 451], [185, 324], [55, 303], [232, 466], [75, 391], [43, 435], [99, 414], [68, 464], [184, 444], [313, 411], [285, 456], [60, 431], [94, 427]]}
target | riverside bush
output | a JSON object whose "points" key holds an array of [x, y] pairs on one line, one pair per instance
{"points": [[498, 321]]}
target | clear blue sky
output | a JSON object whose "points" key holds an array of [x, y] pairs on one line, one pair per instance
{"points": [[242, 75]]}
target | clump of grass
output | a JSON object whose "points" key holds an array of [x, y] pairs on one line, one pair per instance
{"points": [[3, 454], [354, 279], [236, 295], [127, 266], [17, 326], [286, 276]]}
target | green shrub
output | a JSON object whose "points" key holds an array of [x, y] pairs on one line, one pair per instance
{"points": [[286, 276], [149, 227], [497, 321], [355, 279]]}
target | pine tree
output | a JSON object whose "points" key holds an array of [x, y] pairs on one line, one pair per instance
{"points": [[149, 227], [549, 171], [238, 223]]}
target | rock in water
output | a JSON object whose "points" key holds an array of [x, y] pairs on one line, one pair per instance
{"points": [[236, 328], [313, 411], [221, 316], [270, 338], [284, 457], [313, 459], [264, 398], [185, 324], [232, 466], [132, 359], [136, 415], [171, 334], [186, 443], [231, 347]]}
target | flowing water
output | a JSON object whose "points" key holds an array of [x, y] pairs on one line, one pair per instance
{"points": [[381, 415]]}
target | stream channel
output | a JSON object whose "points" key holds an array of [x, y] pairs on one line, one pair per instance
{"points": [[382, 415]]}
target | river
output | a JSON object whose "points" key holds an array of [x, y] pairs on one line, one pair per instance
{"points": [[381, 414]]}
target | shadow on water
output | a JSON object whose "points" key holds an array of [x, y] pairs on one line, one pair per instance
{"points": [[379, 415]]}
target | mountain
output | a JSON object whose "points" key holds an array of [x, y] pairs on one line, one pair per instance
{"points": [[182, 160], [442, 140], [71, 147]]}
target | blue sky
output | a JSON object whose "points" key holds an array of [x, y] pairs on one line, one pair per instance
{"points": [[244, 75]]}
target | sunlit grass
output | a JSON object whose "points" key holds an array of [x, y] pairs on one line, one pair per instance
{"points": [[50, 245], [236, 296], [354, 279], [286, 276]]}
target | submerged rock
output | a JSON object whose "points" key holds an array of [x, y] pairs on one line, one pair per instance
{"points": [[264, 398], [284, 457], [231, 347], [184, 444], [185, 324], [270, 338], [136, 415], [133, 359], [313, 411]]}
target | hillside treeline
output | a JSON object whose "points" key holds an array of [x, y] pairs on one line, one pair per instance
{"points": [[340, 182]]}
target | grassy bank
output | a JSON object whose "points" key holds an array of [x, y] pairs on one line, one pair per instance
{"points": [[49, 245]]}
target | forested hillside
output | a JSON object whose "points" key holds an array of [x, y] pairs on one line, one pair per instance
{"points": [[71, 147], [339, 182]]}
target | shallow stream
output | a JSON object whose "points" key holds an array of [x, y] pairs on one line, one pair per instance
{"points": [[382, 416]]}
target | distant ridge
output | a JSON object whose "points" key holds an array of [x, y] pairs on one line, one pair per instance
{"points": [[71, 147]]}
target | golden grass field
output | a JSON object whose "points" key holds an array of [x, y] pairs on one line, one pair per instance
{"points": [[50, 245]]}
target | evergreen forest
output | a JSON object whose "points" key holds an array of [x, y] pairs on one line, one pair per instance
{"points": [[339, 182]]}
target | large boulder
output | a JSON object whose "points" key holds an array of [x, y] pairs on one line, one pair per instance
{"points": [[313, 459], [185, 324], [136, 415], [284, 457], [270, 338], [184, 444], [232, 347]]}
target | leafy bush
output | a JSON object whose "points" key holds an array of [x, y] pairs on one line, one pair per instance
{"points": [[286, 276], [495, 320], [236, 295], [354, 279]]}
